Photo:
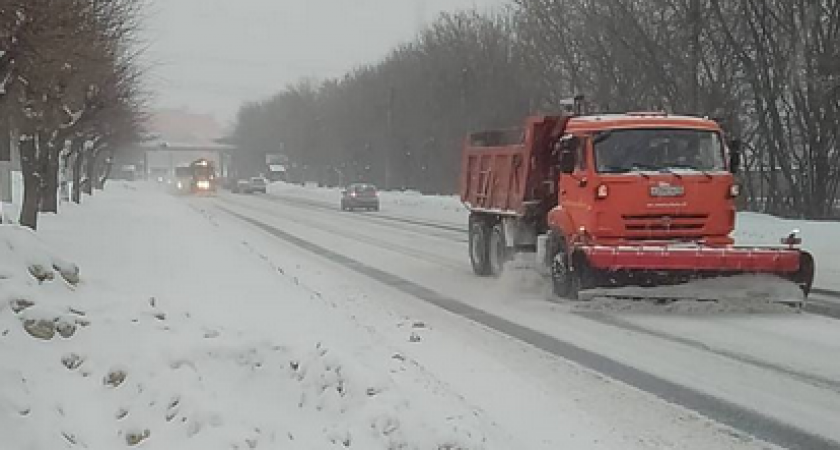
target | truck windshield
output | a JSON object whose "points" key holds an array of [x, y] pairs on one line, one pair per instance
{"points": [[203, 173], [622, 151]]}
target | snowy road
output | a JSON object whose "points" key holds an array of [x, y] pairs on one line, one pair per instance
{"points": [[747, 371]]}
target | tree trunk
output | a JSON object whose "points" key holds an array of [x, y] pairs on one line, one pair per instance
{"points": [[90, 170], [31, 184], [106, 171], [87, 185], [78, 157], [49, 184]]}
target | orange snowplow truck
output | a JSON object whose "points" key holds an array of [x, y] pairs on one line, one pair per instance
{"points": [[640, 199]]}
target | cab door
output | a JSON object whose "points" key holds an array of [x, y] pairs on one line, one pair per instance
{"points": [[575, 196]]}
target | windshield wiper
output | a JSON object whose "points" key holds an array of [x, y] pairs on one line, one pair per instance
{"points": [[690, 167], [640, 168], [620, 170], [602, 136], [670, 171], [613, 169]]}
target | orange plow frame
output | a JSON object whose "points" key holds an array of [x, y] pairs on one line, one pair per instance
{"points": [[790, 263]]}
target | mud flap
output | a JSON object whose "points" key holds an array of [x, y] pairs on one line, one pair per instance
{"points": [[804, 277]]}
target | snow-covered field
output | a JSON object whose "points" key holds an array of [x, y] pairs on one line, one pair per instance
{"points": [[142, 319]]}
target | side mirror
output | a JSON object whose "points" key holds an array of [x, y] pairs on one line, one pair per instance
{"points": [[568, 147], [568, 161], [735, 146]]}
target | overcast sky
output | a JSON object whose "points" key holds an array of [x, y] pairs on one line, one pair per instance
{"points": [[211, 55]]}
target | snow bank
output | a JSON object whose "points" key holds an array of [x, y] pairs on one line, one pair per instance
{"points": [[22, 253], [821, 238], [88, 367]]}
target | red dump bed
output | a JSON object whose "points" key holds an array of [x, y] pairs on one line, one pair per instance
{"points": [[503, 170]]}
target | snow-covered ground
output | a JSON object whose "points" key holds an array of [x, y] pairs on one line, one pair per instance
{"points": [[179, 337], [186, 328], [822, 239]]}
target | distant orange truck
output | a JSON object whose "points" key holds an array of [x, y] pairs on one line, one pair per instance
{"points": [[613, 200]]}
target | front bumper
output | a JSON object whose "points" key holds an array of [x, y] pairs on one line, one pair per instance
{"points": [[699, 259], [361, 202]]}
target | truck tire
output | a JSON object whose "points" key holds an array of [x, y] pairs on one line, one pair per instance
{"points": [[497, 250], [565, 280], [479, 245]]}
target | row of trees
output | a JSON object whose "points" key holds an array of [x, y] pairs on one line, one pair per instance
{"points": [[768, 68], [399, 122], [70, 92]]}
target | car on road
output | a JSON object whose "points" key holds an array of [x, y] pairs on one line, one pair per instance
{"points": [[360, 196], [249, 186], [258, 184]]}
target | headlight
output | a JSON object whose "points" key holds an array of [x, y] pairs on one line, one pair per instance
{"points": [[180, 185], [734, 190], [203, 184]]}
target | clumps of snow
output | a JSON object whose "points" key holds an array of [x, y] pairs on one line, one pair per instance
{"points": [[85, 367], [20, 250], [743, 294]]}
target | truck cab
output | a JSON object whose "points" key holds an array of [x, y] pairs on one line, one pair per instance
{"points": [[645, 177]]}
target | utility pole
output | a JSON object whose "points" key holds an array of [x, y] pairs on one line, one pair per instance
{"points": [[697, 28], [391, 137], [465, 80]]}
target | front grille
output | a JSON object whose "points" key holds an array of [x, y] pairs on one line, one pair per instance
{"points": [[661, 227], [667, 224], [662, 216]]}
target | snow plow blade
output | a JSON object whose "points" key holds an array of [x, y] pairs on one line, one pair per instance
{"points": [[647, 265]]}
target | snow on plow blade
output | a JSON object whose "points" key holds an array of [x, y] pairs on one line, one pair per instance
{"points": [[672, 264]]}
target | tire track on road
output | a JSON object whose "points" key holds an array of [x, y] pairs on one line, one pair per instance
{"points": [[618, 322], [378, 217], [343, 232]]}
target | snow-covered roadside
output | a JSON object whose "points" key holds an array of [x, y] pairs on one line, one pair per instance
{"points": [[820, 238], [174, 338]]}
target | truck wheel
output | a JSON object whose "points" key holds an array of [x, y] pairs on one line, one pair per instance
{"points": [[565, 282], [479, 247], [497, 250]]}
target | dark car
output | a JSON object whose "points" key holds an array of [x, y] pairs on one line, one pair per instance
{"points": [[258, 184], [360, 196], [249, 186]]}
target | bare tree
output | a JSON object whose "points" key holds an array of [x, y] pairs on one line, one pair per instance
{"points": [[65, 62], [767, 69], [399, 123]]}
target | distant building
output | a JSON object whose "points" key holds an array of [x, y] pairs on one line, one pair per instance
{"points": [[178, 138]]}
